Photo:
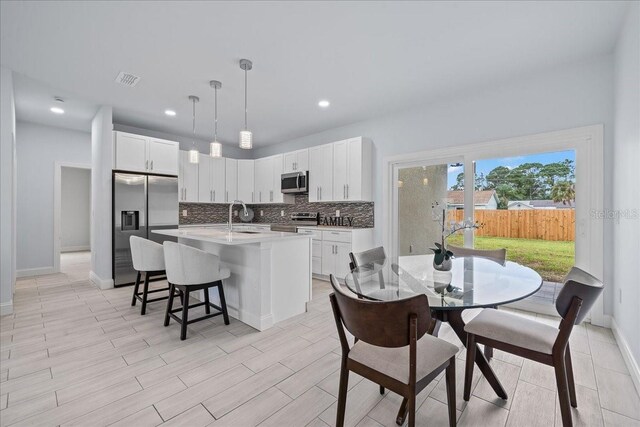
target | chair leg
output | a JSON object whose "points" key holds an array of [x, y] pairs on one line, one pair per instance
{"points": [[181, 296], [145, 290], [471, 357], [381, 390], [172, 291], [135, 290], [411, 409], [207, 307], [572, 385], [450, 376], [488, 352], [402, 413], [223, 304], [563, 389], [342, 393], [185, 315]]}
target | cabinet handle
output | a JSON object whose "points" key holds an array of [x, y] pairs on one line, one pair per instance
{"points": [[320, 193], [344, 191], [347, 191], [213, 199], [226, 197], [151, 164], [271, 196], [260, 196], [210, 196], [146, 165], [252, 199], [185, 193]]}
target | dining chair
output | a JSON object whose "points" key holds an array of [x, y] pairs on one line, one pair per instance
{"points": [[372, 257], [538, 341], [147, 257], [188, 270], [392, 348], [498, 255]]}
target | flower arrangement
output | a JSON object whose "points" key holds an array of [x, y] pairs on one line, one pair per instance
{"points": [[442, 256]]}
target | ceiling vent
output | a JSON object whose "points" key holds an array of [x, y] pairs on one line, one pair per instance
{"points": [[127, 79]]}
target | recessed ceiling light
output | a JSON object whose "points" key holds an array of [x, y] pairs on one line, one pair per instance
{"points": [[170, 113], [57, 110], [323, 104]]}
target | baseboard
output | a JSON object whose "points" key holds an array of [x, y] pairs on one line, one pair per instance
{"points": [[6, 308], [627, 355], [75, 248], [100, 283], [28, 272]]}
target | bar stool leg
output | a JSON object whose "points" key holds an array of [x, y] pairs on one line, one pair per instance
{"points": [[172, 291], [144, 294], [223, 303], [207, 307], [135, 290], [185, 315]]}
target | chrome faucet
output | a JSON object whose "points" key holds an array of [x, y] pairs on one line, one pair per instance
{"points": [[240, 202]]}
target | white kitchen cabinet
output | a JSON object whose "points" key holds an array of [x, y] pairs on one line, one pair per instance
{"points": [[335, 259], [246, 182], [263, 180], [321, 173], [276, 177], [296, 161], [352, 170], [231, 180], [187, 179], [211, 179], [163, 157], [139, 153]]}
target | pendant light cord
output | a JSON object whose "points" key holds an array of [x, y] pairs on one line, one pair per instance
{"points": [[245, 99], [215, 121]]}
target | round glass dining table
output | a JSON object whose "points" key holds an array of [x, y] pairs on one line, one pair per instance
{"points": [[473, 282]]}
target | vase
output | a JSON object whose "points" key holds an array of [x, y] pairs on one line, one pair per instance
{"points": [[444, 266]]}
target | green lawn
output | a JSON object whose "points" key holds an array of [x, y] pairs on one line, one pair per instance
{"points": [[552, 260]]}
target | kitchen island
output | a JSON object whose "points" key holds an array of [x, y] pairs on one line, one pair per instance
{"points": [[270, 271]]}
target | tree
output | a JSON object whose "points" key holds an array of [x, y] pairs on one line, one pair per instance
{"points": [[564, 191], [459, 185], [497, 176], [480, 183]]}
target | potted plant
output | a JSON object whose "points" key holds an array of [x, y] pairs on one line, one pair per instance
{"points": [[442, 256]]}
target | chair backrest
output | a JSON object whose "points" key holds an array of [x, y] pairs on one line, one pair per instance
{"points": [[375, 255], [186, 265], [146, 255], [499, 255], [578, 283], [383, 324]]}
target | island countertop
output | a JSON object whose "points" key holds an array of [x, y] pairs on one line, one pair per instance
{"points": [[222, 236]]}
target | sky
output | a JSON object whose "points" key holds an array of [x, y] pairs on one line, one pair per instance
{"points": [[486, 166]]}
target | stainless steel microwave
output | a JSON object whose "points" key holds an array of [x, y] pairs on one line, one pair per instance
{"points": [[295, 183]]}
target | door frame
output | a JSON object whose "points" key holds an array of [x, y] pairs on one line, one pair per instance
{"points": [[587, 142], [57, 208]]}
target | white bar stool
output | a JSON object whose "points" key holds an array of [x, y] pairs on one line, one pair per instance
{"points": [[148, 258], [190, 269]]}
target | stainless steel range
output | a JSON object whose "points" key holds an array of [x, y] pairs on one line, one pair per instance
{"points": [[297, 219]]}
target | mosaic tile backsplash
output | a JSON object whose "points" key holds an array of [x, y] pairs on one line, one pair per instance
{"points": [[206, 213]]}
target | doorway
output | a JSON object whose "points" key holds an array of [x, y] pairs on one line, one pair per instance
{"points": [[72, 218], [527, 174]]}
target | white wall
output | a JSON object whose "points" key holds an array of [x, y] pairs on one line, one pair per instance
{"points": [[186, 143], [75, 209], [574, 95], [101, 168], [7, 191], [38, 148], [626, 183]]}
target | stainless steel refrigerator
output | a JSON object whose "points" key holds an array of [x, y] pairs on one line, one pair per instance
{"points": [[141, 203]]}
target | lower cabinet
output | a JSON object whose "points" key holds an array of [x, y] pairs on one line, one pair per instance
{"points": [[335, 259]]}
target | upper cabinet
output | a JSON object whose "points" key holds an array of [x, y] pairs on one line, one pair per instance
{"points": [[246, 181], [321, 173], [231, 180], [352, 170], [211, 179], [187, 179], [268, 172], [296, 161], [138, 153]]}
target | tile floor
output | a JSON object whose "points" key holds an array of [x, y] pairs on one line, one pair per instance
{"points": [[74, 355]]}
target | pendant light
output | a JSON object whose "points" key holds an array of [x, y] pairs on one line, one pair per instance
{"points": [[193, 153], [246, 137], [215, 148]]}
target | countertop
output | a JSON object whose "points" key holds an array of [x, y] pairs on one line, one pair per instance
{"points": [[263, 224], [220, 235]]}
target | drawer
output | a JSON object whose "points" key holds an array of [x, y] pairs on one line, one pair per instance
{"points": [[317, 234], [337, 236], [316, 265]]}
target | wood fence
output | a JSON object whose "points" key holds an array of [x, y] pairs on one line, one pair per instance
{"points": [[540, 224]]}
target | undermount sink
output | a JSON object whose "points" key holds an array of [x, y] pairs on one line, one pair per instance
{"points": [[247, 232]]}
